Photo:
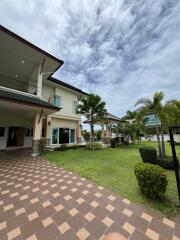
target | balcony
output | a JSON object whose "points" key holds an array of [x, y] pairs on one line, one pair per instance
{"points": [[24, 86]]}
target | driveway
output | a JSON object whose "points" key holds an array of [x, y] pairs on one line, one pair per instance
{"points": [[39, 200]]}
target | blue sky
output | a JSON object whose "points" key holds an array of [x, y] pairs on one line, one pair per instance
{"points": [[121, 50]]}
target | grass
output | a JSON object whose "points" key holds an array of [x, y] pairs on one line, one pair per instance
{"points": [[114, 169]]}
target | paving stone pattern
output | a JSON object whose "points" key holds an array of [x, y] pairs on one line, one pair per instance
{"points": [[39, 200]]}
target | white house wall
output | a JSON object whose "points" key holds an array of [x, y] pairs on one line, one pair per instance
{"points": [[63, 123], [48, 93], [3, 140], [27, 142], [67, 98]]}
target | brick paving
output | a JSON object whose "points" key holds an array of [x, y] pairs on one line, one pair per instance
{"points": [[39, 200]]}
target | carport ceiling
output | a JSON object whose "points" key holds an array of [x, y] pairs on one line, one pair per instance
{"points": [[19, 58]]}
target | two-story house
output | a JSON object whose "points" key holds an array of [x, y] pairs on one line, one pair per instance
{"points": [[33, 104]]}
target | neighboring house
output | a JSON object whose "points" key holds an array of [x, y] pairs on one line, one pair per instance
{"points": [[150, 121], [107, 133], [33, 104]]}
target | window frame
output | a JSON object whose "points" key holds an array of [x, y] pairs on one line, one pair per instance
{"points": [[59, 101], [4, 132], [30, 132], [74, 106], [69, 130], [57, 136], [70, 135]]}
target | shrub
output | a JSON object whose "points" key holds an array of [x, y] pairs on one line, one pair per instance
{"points": [[74, 147], [152, 180], [93, 146], [177, 143], [113, 143], [63, 147], [148, 154], [42, 145], [167, 163]]}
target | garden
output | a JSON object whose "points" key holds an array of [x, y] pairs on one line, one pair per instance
{"points": [[115, 168]]}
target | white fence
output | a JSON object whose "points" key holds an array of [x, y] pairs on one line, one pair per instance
{"points": [[166, 138]]}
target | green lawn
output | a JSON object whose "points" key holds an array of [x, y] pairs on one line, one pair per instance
{"points": [[114, 169]]}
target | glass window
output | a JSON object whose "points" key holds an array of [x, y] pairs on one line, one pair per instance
{"points": [[2, 131], [72, 135], [55, 136], [74, 106], [57, 101], [28, 132]]}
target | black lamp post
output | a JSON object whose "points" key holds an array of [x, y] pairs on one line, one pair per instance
{"points": [[176, 162]]}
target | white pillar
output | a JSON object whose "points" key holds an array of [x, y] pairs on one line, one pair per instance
{"points": [[37, 134], [78, 132], [48, 131], [37, 126], [39, 82]]}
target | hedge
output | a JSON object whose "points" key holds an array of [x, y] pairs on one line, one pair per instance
{"points": [[148, 154], [152, 180], [93, 146]]}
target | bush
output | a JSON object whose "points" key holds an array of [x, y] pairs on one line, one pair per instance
{"points": [[74, 147], [177, 143], [167, 163], [152, 180], [148, 154], [63, 147], [42, 145], [113, 143], [93, 146]]}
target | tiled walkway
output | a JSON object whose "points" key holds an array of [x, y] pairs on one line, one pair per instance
{"points": [[39, 200]]}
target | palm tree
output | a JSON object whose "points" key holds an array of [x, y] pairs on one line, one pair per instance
{"points": [[155, 107], [172, 109], [94, 109], [130, 115]]}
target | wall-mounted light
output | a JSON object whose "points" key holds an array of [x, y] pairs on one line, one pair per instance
{"points": [[22, 61], [16, 76], [49, 123]]}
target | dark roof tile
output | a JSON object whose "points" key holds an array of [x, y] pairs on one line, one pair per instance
{"points": [[18, 97]]}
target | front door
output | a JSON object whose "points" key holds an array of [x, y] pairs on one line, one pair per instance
{"points": [[12, 137]]}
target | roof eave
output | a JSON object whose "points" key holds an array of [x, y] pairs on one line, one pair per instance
{"points": [[14, 35], [52, 79], [29, 103]]}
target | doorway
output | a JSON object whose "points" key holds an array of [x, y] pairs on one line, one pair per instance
{"points": [[12, 137], [63, 135]]}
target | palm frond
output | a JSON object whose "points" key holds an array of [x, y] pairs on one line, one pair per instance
{"points": [[143, 101]]}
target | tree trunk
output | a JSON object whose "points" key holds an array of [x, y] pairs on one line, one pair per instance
{"points": [[158, 138], [163, 144], [102, 133], [92, 132]]}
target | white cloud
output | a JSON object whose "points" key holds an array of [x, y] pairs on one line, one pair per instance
{"points": [[120, 49]]}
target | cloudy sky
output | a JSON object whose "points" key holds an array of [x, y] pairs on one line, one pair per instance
{"points": [[119, 49]]}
